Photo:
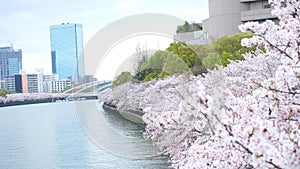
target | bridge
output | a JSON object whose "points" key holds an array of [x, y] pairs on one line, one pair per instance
{"points": [[87, 91], [91, 87]]}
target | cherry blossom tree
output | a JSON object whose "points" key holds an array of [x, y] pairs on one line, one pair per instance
{"points": [[246, 115], [258, 128], [31, 96]]}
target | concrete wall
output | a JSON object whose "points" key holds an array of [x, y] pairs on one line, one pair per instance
{"points": [[224, 18], [226, 15], [256, 15]]}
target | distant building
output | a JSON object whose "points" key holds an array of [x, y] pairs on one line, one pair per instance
{"points": [[226, 15], [24, 83], [10, 83], [10, 61], [2, 84], [13, 83], [32, 80], [89, 79], [256, 10], [18, 84], [31, 83], [47, 84], [60, 85], [53, 77], [39, 72], [192, 38], [67, 51]]}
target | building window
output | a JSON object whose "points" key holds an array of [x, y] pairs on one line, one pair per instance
{"points": [[267, 6]]}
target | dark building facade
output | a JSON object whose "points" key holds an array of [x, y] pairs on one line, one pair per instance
{"points": [[18, 84]]}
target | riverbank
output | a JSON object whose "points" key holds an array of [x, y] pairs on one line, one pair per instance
{"points": [[26, 102], [131, 115]]}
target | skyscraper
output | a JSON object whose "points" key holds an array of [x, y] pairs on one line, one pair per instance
{"points": [[67, 51], [10, 61]]}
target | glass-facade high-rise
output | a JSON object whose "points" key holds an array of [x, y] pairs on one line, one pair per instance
{"points": [[67, 51], [10, 61]]}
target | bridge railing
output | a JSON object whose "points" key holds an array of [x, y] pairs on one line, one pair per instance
{"points": [[83, 87]]}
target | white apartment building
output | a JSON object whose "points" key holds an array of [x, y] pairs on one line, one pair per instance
{"points": [[2, 84], [32, 83], [47, 82], [59, 85], [9, 83], [39, 72]]}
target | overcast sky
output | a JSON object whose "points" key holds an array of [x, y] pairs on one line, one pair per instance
{"points": [[26, 23]]}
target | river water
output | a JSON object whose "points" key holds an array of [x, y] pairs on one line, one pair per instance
{"points": [[57, 135]]}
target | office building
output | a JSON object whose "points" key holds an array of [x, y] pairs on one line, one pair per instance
{"points": [[256, 10], [32, 83], [2, 84], [39, 72], [10, 61], [10, 83], [60, 85], [226, 15], [24, 83], [47, 82], [89, 79], [13, 83], [50, 77], [67, 51], [18, 84]]}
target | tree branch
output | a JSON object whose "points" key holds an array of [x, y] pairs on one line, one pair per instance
{"points": [[274, 165], [244, 147], [276, 90], [276, 47]]}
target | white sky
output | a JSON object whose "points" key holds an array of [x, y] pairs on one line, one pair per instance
{"points": [[26, 23], [107, 71]]}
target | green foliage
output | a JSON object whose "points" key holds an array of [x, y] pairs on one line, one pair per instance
{"points": [[180, 57], [232, 45], [214, 59], [221, 51], [140, 76], [153, 75], [225, 58], [3, 92], [156, 62], [211, 61], [202, 51], [163, 75], [174, 65], [186, 27], [160, 65], [188, 54], [184, 52], [124, 77]]}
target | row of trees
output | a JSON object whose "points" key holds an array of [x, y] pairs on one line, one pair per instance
{"points": [[188, 27], [246, 115], [180, 57], [15, 97]]}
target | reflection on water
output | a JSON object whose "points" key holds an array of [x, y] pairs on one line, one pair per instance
{"points": [[112, 134], [50, 136]]}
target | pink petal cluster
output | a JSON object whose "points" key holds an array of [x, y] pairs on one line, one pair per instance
{"points": [[246, 115], [31, 96]]}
